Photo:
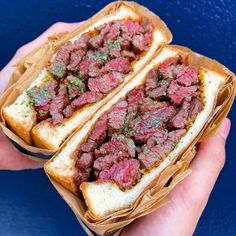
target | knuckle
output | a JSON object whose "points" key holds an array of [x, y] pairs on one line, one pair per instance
{"points": [[58, 25], [20, 51], [220, 160], [219, 155]]}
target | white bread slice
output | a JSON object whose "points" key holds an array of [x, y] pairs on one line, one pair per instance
{"points": [[46, 135], [105, 198], [20, 116]]}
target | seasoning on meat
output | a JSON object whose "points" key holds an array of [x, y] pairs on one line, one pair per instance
{"points": [[41, 96], [92, 66], [116, 117], [141, 129]]}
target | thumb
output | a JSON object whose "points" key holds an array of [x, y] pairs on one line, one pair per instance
{"points": [[209, 161]]}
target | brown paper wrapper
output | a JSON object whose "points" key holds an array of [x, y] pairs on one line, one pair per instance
{"points": [[155, 194], [28, 67]]}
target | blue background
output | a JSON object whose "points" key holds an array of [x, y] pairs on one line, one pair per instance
{"points": [[29, 205]]}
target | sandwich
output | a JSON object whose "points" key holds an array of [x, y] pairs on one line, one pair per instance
{"points": [[127, 144], [87, 68]]}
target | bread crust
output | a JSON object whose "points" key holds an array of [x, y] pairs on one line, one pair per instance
{"points": [[20, 128], [65, 181]]}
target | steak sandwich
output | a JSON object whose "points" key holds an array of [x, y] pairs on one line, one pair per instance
{"points": [[140, 131], [85, 72]]}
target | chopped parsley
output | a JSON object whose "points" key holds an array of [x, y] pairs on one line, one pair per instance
{"points": [[115, 44], [45, 92], [145, 149], [75, 82], [42, 112], [58, 70], [99, 56], [81, 74]]}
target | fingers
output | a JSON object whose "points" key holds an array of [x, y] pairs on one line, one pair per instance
{"points": [[12, 159], [207, 165], [56, 28]]}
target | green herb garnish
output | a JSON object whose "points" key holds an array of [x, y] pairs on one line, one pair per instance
{"points": [[75, 82], [58, 70], [114, 44]]}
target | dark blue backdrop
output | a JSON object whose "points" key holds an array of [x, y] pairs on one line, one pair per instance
{"points": [[28, 203]]}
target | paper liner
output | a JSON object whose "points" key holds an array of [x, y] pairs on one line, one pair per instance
{"points": [[28, 67], [155, 194]]}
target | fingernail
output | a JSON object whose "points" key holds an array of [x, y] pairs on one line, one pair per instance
{"points": [[225, 128]]}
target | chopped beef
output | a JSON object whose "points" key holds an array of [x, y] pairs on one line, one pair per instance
{"points": [[92, 65], [106, 82], [114, 47], [116, 117], [96, 41], [157, 138], [143, 128], [58, 67], [99, 132], [41, 97], [195, 107], [161, 90], [147, 25], [151, 80], [133, 99], [75, 59], [119, 64], [174, 135], [104, 29], [89, 146], [126, 42], [166, 69], [149, 105], [146, 125], [178, 93], [81, 176], [85, 98], [58, 104], [105, 162], [114, 31], [85, 66], [117, 143], [135, 96], [185, 76], [82, 42], [84, 161], [125, 173], [180, 120], [128, 54], [140, 42], [152, 157], [97, 135], [75, 86], [131, 28]]}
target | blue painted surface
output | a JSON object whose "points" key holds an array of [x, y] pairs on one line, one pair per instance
{"points": [[28, 203]]}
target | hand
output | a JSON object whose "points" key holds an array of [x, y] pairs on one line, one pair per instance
{"points": [[189, 198], [10, 157]]}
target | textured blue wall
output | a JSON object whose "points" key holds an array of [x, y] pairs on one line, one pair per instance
{"points": [[28, 203]]}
